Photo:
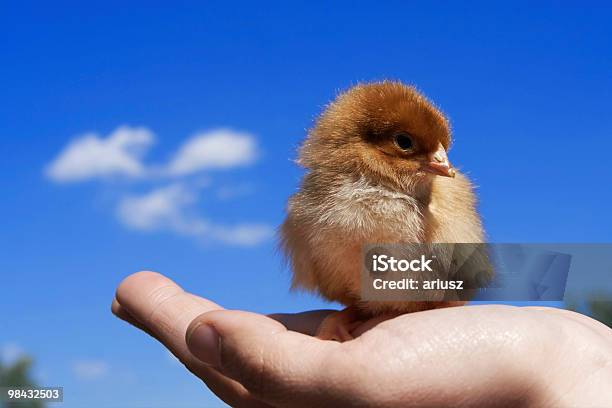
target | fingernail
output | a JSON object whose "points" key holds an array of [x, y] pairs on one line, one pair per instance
{"points": [[204, 344]]}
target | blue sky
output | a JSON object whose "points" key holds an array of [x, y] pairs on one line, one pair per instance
{"points": [[527, 89]]}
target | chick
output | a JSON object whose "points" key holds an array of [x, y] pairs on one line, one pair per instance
{"points": [[377, 172]]}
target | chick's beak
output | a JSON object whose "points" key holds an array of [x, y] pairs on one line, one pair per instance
{"points": [[437, 163]]}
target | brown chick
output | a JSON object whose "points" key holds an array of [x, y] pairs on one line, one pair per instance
{"points": [[378, 172]]}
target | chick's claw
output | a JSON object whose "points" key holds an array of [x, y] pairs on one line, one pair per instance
{"points": [[338, 326]]}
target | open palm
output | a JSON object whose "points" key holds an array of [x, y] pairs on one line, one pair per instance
{"points": [[462, 356]]}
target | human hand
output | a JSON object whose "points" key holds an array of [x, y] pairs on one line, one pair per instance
{"points": [[461, 356]]}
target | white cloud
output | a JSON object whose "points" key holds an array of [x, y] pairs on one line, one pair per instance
{"points": [[171, 208], [243, 234], [120, 154], [91, 156], [10, 352], [221, 148], [90, 369], [165, 208]]}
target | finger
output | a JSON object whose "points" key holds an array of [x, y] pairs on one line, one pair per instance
{"points": [[227, 389], [124, 315], [278, 366], [161, 307], [158, 306], [305, 322]]}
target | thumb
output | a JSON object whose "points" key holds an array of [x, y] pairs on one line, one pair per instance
{"points": [[276, 365]]}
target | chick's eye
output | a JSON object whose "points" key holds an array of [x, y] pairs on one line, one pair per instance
{"points": [[404, 141]]}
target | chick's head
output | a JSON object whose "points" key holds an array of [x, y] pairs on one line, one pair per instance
{"points": [[384, 131]]}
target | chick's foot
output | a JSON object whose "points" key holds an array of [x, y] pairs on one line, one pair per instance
{"points": [[338, 326]]}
